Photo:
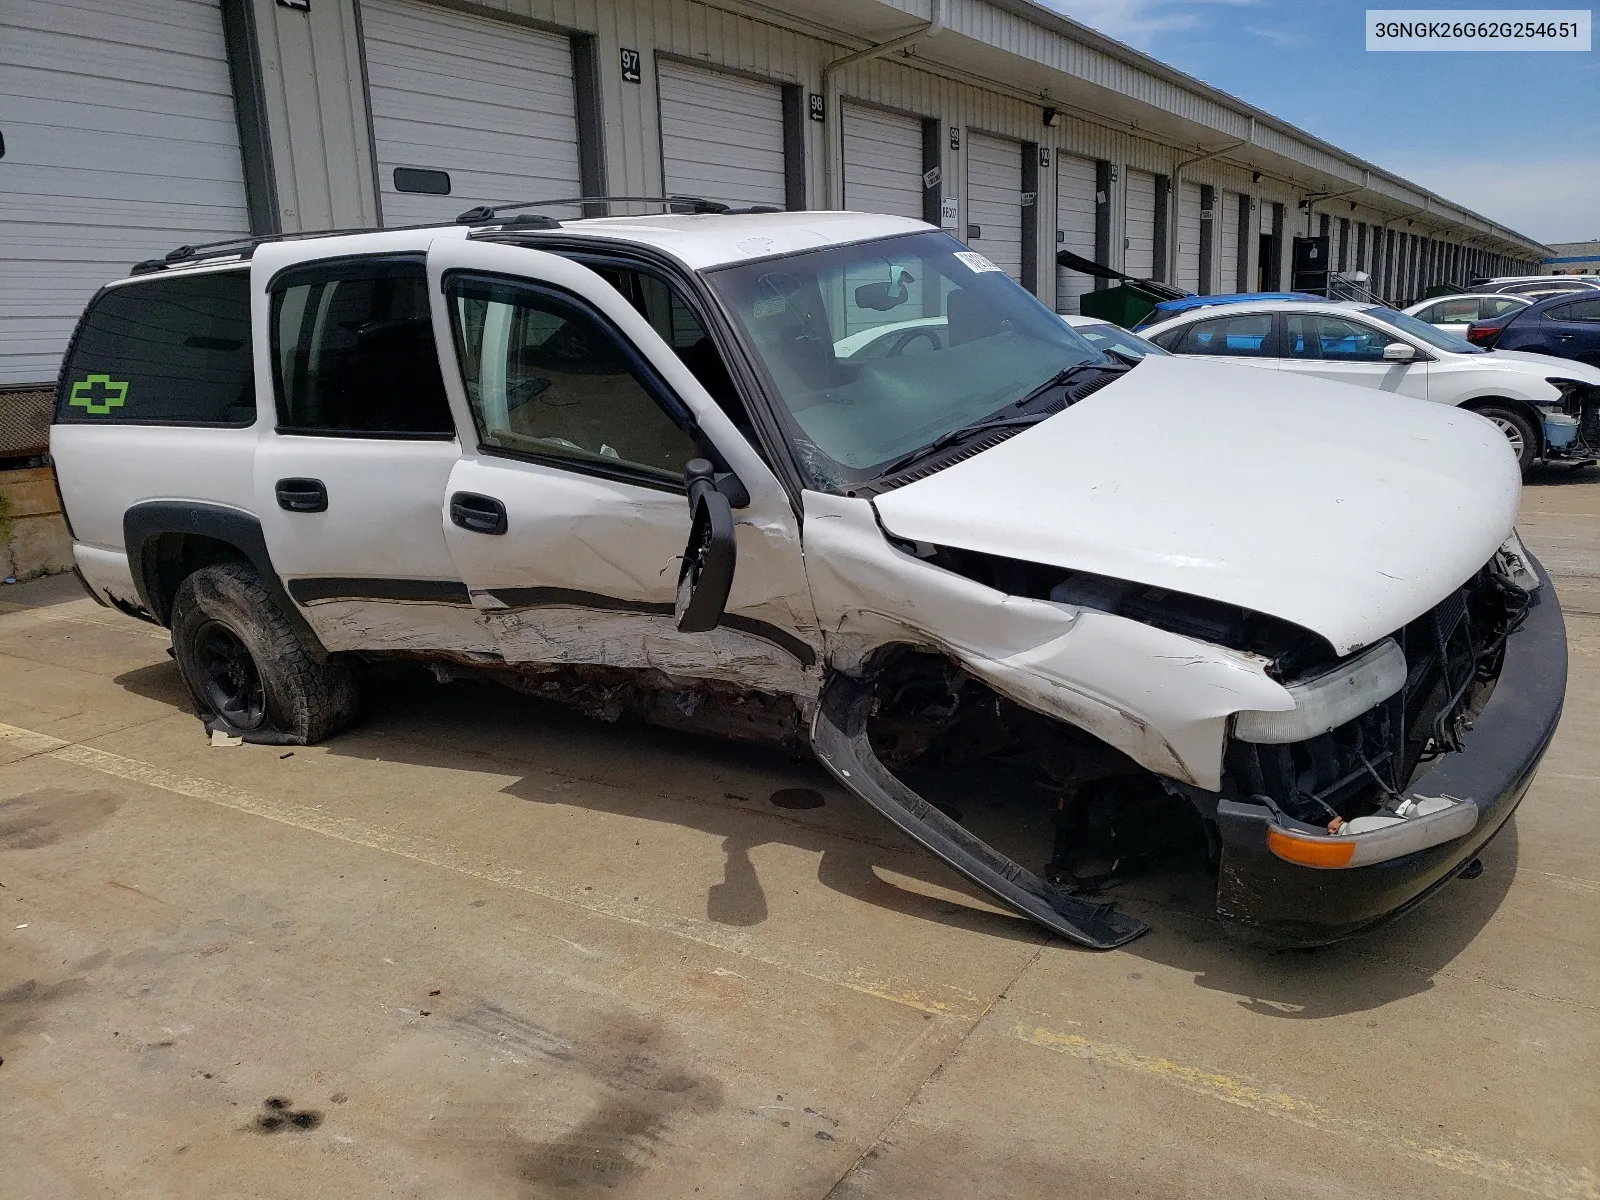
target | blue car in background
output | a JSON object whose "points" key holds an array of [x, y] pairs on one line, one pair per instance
{"points": [[1168, 309], [1565, 325]]}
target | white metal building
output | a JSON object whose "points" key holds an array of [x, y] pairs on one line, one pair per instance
{"points": [[135, 127]]}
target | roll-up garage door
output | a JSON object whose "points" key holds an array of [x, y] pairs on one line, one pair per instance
{"points": [[1228, 260], [882, 162], [721, 136], [994, 201], [1140, 253], [488, 103], [1189, 236], [1075, 183], [120, 143]]}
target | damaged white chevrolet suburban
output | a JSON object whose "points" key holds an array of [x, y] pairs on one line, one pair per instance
{"points": [[1290, 617]]}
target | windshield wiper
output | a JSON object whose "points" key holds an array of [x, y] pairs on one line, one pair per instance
{"points": [[945, 440], [1017, 420], [1064, 376]]}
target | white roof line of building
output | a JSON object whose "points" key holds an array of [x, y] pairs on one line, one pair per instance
{"points": [[1434, 205]]}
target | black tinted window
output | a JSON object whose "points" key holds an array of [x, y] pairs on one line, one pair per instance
{"points": [[353, 352], [1583, 310], [165, 351]]}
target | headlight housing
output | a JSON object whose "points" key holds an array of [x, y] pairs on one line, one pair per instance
{"points": [[1326, 701]]}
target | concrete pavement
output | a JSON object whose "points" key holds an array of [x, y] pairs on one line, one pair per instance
{"points": [[481, 947]]}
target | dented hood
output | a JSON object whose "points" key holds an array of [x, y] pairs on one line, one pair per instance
{"points": [[1347, 511]]}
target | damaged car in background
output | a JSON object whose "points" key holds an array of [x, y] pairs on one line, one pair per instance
{"points": [[835, 480]]}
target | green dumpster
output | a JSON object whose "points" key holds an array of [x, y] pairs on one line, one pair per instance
{"points": [[1126, 304]]}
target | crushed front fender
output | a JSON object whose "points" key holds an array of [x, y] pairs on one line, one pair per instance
{"points": [[839, 737]]}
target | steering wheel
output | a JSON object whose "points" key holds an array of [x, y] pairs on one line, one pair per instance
{"points": [[912, 335]]}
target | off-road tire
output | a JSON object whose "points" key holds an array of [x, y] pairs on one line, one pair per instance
{"points": [[302, 700], [1503, 416]]}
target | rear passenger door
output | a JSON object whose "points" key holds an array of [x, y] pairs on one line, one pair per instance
{"points": [[1233, 337], [350, 482], [1575, 330], [567, 514]]}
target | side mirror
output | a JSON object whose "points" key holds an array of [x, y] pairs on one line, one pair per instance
{"points": [[1399, 352], [706, 576]]}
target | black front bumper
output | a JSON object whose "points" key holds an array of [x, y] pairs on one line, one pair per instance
{"points": [[1285, 904]]}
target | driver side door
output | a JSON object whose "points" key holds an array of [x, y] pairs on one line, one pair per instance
{"points": [[1346, 351], [567, 513]]}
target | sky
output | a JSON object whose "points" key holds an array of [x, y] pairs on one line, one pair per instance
{"points": [[1514, 136]]}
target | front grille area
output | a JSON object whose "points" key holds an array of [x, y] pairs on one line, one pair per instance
{"points": [[1453, 657], [1583, 403]]}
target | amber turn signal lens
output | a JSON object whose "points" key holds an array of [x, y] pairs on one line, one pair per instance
{"points": [[1310, 852]]}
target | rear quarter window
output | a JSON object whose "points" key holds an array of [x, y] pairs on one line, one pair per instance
{"points": [[164, 351]]}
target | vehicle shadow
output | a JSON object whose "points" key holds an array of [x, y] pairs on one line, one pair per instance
{"points": [[1396, 960], [747, 796], [751, 796], [1543, 474]]}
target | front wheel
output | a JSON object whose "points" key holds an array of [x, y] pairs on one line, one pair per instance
{"points": [[248, 673], [1520, 433]]}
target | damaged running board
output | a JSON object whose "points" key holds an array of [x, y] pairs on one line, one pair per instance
{"points": [[839, 737]]}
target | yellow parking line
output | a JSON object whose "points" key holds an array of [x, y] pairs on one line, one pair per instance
{"points": [[1536, 1178], [437, 854]]}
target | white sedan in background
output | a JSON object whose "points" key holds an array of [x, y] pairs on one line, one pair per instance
{"points": [[923, 334], [1112, 339], [1527, 395], [1452, 314]]}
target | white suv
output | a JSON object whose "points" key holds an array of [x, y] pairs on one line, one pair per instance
{"points": [[1537, 401], [648, 467]]}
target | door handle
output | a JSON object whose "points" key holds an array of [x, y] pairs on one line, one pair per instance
{"points": [[302, 495], [480, 514]]}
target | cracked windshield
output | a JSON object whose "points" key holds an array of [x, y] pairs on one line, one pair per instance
{"points": [[878, 349]]}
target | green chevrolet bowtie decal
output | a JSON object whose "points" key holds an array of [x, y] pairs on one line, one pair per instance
{"points": [[98, 394]]}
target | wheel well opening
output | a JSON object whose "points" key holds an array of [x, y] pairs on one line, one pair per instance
{"points": [[1521, 407], [176, 556], [1035, 788]]}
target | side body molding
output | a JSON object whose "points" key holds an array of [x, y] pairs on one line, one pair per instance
{"points": [[143, 524]]}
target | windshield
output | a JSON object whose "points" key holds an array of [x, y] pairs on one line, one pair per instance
{"points": [[1424, 332], [879, 348], [1117, 340]]}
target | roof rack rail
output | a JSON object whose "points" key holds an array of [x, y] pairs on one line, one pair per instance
{"points": [[689, 204], [244, 247]]}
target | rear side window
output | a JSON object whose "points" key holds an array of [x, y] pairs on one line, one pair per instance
{"points": [[353, 352], [1456, 312], [1583, 310], [1499, 307], [1241, 336], [163, 351]]}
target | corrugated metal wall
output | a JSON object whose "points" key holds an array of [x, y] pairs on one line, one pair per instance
{"points": [[316, 109]]}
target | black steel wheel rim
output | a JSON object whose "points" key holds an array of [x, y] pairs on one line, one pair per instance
{"points": [[229, 677]]}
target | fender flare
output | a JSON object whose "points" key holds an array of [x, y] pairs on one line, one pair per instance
{"points": [[143, 523]]}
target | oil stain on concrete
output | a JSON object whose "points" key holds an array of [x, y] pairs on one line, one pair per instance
{"points": [[46, 816]]}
